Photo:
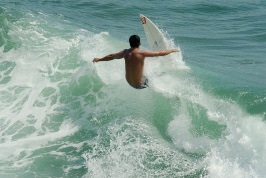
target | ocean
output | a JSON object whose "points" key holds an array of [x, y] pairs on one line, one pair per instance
{"points": [[203, 115]]}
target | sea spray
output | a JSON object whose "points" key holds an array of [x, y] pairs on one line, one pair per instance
{"points": [[129, 148]]}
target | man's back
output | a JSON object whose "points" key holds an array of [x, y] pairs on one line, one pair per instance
{"points": [[134, 61]]}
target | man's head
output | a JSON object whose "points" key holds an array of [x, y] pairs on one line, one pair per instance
{"points": [[134, 41]]}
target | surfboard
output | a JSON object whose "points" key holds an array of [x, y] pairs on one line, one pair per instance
{"points": [[155, 37]]}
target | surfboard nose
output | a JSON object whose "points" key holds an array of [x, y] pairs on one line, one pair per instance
{"points": [[143, 19]]}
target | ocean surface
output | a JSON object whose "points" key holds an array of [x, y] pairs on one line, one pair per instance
{"points": [[204, 114]]}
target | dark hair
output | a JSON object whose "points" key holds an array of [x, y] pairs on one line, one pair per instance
{"points": [[134, 41]]}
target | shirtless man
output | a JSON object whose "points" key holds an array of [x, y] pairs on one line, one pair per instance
{"points": [[134, 61]]}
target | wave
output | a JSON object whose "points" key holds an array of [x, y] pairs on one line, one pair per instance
{"points": [[62, 115]]}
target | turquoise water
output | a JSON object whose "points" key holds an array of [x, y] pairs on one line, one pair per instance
{"points": [[63, 116]]}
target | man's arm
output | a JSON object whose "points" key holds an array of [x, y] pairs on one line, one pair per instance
{"points": [[159, 53], [109, 57]]}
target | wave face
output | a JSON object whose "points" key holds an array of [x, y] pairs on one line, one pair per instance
{"points": [[63, 116]]}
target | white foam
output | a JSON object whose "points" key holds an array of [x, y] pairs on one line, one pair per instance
{"points": [[239, 151], [218, 166], [133, 144], [13, 149], [26, 114], [109, 72]]}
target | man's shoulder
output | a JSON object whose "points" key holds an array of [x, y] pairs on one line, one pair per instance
{"points": [[139, 51]]}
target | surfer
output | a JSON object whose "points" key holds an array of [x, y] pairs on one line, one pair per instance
{"points": [[134, 61]]}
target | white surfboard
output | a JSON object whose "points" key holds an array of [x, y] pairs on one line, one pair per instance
{"points": [[153, 34]]}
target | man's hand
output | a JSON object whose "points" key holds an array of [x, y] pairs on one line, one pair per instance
{"points": [[95, 60], [175, 50]]}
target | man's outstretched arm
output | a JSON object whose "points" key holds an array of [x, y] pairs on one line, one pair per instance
{"points": [[159, 53], [109, 57]]}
